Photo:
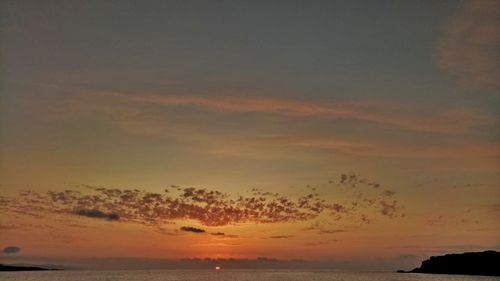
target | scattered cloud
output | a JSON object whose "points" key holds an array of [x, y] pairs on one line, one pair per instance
{"points": [[386, 206], [192, 229], [389, 208], [11, 250], [468, 49], [208, 207], [463, 217], [353, 180]]}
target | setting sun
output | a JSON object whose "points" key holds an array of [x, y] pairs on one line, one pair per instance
{"points": [[248, 135]]}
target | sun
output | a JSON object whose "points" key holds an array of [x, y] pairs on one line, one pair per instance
{"points": [[217, 268]]}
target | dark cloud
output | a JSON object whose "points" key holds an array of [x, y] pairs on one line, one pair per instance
{"points": [[97, 214], [168, 232], [365, 219], [222, 234], [279, 237], [192, 229], [316, 243], [11, 250], [330, 231]]}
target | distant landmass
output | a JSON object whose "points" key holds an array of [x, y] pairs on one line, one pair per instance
{"points": [[475, 263], [22, 268]]}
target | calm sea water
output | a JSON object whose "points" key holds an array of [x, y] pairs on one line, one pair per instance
{"points": [[228, 275]]}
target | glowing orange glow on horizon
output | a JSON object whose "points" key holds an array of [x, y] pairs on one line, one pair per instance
{"points": [[291, 144]]}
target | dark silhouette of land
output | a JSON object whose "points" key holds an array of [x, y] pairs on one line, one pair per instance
{"points": [[21, 268], [475, 263]]}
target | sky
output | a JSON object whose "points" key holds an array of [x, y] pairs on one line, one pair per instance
{"points": [[361, 133]]}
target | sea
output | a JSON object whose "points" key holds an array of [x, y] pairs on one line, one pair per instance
{"points": [[229, 275]]}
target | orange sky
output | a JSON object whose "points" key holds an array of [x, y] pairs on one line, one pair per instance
{"points": [[361, 134]]}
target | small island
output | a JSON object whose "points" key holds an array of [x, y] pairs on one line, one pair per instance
{"points": [[21, 268], [474, 263]]}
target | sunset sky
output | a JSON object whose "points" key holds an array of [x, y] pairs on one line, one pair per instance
{"points": [[357, 132]]}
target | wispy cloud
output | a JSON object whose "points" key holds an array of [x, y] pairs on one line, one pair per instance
{"points": [[448, 248], [316, 243], [129, 110], [375, 113], [279, 237], [133, 114], [353, 180], [367, 147], [469, 49]]}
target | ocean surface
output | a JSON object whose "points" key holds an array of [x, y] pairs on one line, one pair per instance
{"points": [[229, 275]]}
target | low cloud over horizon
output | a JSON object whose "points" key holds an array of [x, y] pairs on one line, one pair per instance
{"points": [[11, 250]]}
